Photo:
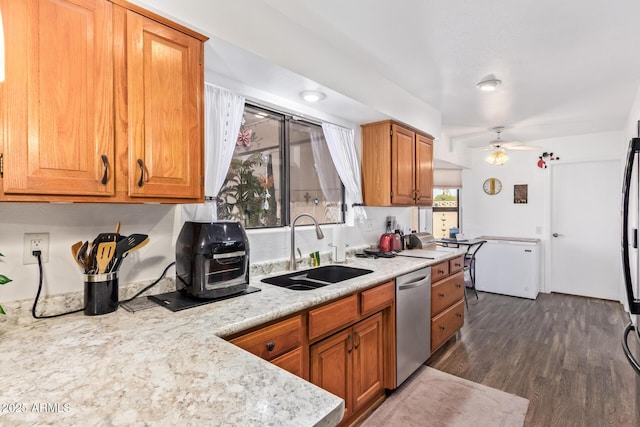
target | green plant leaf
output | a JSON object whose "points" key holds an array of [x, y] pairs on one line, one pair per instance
{"points": [[1, 310], [4, 280], [1, 254]]}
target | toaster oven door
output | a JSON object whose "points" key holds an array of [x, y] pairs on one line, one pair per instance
{"points": [[223, 270]]}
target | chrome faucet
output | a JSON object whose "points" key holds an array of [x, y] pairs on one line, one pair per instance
{"points": [[293, 263]]}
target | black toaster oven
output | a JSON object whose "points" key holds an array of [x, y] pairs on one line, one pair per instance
{"points": [[212, 259]]}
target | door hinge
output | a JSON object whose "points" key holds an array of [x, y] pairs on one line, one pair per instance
{"points": [[1, 165], [392, 194], [390, 132]]}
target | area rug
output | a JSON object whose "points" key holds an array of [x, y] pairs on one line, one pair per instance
{"points": [[434, 398]]}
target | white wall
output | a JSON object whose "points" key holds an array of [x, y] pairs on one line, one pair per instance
{"points": [[69, 223], [497, 215]]}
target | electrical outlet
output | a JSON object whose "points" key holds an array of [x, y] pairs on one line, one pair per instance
{"points": [[368, 225], [35, 242]]}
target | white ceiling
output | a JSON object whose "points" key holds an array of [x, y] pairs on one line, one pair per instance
{"points": [[568, 67]]}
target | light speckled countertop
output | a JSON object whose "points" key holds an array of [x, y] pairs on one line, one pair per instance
{"points": [[156, 367]]}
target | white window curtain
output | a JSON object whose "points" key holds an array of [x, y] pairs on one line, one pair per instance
{"points": [[320, 157], [345, 158], [223, 112]]}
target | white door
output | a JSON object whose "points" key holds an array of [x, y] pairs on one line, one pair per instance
{"points": [[585, 229]]}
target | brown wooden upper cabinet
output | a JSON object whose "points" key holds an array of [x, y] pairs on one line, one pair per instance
{"points": [[102, 102], [397, 165]]}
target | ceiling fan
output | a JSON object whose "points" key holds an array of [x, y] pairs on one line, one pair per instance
{"points": [[499, 147]]}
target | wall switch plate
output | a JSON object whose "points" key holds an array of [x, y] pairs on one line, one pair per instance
{"points": [[33, 242], [538, 229]]}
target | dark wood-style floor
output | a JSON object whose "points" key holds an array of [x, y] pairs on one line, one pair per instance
{"points": [[561, 352]]}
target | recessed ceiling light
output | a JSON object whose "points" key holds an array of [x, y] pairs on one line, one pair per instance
{"points": [[312, 95], [488, 85]]}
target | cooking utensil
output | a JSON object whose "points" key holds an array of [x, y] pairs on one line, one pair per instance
{"points": [[81, 256], [106, 252], [127, 245], [74, 251]]}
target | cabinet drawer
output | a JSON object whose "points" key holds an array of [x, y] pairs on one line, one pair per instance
{"points": [[272, 341], [447, 323], [456, 264], [377, 298], [446, 292], [438, 271], [332, 317], [292, 361]]}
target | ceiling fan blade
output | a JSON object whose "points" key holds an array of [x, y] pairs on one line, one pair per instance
{"points": [[512, 144], [523, 148]]}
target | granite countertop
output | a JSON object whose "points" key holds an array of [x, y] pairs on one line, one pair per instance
{"points": [[163, 368]]}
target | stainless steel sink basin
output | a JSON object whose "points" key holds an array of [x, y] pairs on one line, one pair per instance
{"points": [[315, 278]]}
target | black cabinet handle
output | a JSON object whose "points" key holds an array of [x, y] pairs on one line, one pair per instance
{"points": [[349, 344], [442, 328], [106, 169], [358, 340], [271, 346], [442, 294], [140, 182]]}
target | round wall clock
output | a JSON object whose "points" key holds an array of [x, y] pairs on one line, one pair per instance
{"points": [[492, 186]]}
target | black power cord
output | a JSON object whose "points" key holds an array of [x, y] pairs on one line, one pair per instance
{"points": [[146, 288], [38, 254]]}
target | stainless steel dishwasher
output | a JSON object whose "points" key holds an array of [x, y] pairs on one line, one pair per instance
{"points": [[413, 322]]}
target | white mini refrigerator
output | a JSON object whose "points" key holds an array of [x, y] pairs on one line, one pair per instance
{"points": [[509, 267]]}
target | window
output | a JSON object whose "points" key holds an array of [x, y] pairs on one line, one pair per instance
{"points": [[445, 211], [281, 168]]}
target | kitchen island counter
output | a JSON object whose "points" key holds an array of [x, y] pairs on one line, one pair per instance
{"points": [[157, 367]]}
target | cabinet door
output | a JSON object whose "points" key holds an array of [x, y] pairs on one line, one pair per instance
{"points": [[57, 99], [368, 360], [424, 170], [292, 361], [402, 166], [331, 366], [164, 102]]}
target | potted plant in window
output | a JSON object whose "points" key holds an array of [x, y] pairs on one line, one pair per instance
{"points": [[244, 193], [3, 281]]}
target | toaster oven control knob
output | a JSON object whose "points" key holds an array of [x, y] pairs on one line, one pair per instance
{"points": [[271, 345]]}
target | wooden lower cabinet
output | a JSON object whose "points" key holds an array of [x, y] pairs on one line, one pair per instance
{"points": [[350, 363], [281, 343], [447, 323], [346, 346], [293, 361], [447, 300]]}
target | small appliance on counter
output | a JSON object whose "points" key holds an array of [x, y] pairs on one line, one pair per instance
{"points": [[212, 259], [421, 241], [390, 241]]}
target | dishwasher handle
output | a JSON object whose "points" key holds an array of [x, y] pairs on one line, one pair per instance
{"points": [[415, 284]]}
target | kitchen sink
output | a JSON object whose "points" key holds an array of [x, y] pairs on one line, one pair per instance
{"points": [[315, 278]]}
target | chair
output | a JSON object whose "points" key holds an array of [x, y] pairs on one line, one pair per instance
{"points": [[470, 265]]}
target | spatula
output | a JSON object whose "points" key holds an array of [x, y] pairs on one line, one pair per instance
{"points": [[106, 252], [127, 245]]}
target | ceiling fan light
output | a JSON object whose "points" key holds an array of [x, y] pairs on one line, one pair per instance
{"points": [[498, 157], [489, 85]]}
